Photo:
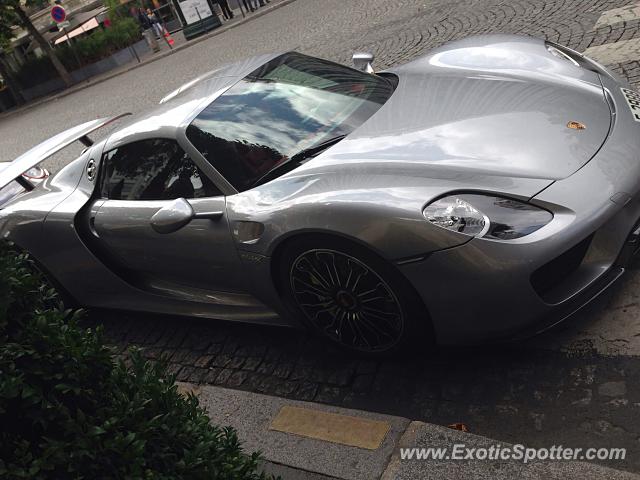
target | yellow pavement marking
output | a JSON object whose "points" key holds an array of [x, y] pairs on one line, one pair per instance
{"points": [[185, 388], [331, 427]]}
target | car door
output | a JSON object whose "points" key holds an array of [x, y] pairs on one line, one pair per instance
{"points": [[144, 187]]}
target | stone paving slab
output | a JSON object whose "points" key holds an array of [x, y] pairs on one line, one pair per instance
{"points": [[288, 473], [422, 435], [251, 415], [618, 52], [619, 15], [299, 457]]}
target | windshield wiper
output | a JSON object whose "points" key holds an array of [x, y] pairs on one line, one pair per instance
{"points": [[316, 149], [298, 159]]}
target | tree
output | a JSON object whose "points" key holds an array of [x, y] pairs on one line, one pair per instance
{"points": [[6, 20], [14, 9], [6, 74]]}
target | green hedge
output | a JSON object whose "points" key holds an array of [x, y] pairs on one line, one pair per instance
{"points": [[91, 48], [69, 411], [103, 43]]}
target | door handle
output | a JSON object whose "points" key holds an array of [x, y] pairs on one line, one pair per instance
{"points": [[214, 215], [92, 226], [93, 213]]}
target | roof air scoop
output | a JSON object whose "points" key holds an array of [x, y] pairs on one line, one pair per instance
{"points": [[363, 61]]}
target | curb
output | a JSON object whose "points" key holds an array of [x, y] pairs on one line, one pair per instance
{"points": [[159, 56], [320, 442]]}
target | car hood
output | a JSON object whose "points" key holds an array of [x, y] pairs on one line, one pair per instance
{"points": [[477, 108]]}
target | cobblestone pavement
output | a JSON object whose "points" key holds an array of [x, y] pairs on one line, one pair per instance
{"points": [[576, 386]]}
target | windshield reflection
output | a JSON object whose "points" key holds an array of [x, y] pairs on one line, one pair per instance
{"points": [[288, 105]]}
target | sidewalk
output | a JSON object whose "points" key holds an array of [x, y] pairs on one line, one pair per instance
{"points": [[307, 441], [165, 51]]}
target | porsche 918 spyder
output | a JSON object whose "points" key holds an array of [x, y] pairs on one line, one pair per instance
{"points": [[486, 190]]}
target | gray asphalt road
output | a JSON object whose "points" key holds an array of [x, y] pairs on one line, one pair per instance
{"points": [[576, 384]]}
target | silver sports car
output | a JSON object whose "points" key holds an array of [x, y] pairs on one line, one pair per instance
{"points": [[486, 190]]}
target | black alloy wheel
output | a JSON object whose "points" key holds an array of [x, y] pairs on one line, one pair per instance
{"points": [[352, 298]]}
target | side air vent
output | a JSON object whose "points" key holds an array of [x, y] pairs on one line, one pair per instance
{"points": [[553, 273]]}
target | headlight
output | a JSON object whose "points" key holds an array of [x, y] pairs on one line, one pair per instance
{"points": [[486, 216], [556, 52]]}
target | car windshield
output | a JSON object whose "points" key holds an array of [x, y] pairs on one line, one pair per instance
{"points": [[287, 106]]}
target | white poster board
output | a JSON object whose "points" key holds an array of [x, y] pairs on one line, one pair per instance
{"points": [[195, 10]]}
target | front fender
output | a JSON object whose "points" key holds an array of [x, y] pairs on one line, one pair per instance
{"points": [[387, 220]]}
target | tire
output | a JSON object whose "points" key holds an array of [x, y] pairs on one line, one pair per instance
{"points": [[352, 297]]}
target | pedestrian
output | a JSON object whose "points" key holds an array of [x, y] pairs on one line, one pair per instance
{"points": [[226, 11], [248, 5], [142, 18], [155, 23]]}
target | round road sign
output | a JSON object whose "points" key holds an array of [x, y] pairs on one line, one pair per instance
{"points": [[58, 14]]}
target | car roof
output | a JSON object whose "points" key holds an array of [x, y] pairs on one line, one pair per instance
{"points": [[183, 104]]}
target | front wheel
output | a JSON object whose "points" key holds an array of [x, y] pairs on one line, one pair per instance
{"points": [[352, 297]]}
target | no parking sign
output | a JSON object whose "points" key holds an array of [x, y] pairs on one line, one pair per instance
{"points": [[58, 14]]}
